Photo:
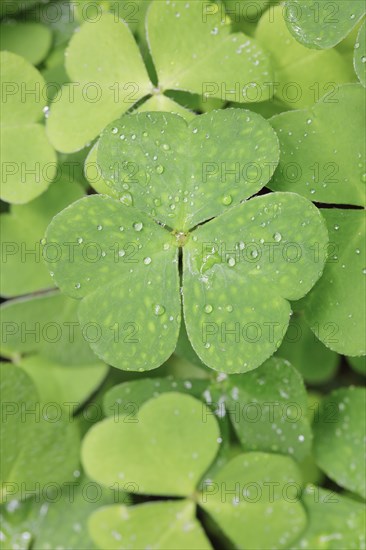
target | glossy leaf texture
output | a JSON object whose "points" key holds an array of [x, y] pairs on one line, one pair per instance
{"points": [[322, 25], [339, 438], [322, 149], [240, 270], [182, 174], [176, 457], [29, 161], [120, 256]]}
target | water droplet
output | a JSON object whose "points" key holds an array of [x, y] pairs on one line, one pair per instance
{"points": [[122, 137], [358, 251], [126, 199], [133, 136], [309, 121], [144, 134], [121, 228], [121, 253], [160, 169], [114, 130], [80, 240], [229, 308], [227, 200], [77, 286], [165, 146], [364, 271], [99, 227], [336, 227], [277, 237], [138, 226], [195, 130], [208, 308], [231, 262], [159, 309], [147, 260], [43, 241], [363, 59]]}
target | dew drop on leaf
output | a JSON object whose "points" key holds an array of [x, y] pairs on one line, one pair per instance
{"points": [[147, 260], [277, 237], [227, 200], [126, 199], [159, 309], [208, 308], [160, 169]]}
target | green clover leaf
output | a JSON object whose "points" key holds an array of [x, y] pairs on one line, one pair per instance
{"points": [[334, 520], [322, 149], [34, 447], [46, 325], [322, 25], [144, 158], [316, 363], [22, 230], [301, 75], [359, 59], [187, 45], [333, 309], [166, 468], [339, 438], [28, 160], [29, 40], [167, 525]]}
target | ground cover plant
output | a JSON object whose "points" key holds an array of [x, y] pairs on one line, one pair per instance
{"points": [[183, 274]]}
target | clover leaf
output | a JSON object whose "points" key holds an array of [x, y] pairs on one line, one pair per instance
{"points": [[333, 309], [22, 230], [334, 520], [29, 161], [359, 60], [321, 24], [301, 75], [179, 452], [187, 44], [35, 447], [339, 438], [167, 525], [46, 325], [316, 363], [322, 149], [144, 157], [29, 40]]}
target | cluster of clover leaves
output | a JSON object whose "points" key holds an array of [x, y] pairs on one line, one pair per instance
{"points": [[172, 264]]}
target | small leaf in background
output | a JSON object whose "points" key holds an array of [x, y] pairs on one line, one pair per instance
{"points": [[254, 499], [339, 438], [332, 309], [95, 56], [74, 120], [29, 40], [316, 363], [178, 439], [358, 364], [238, 277], [126, 399], [268, 409], [360, 55], [47, 325], [168, 525], [322, 24], [28, 160], [193, 50], [22, 230], [37, 447], [302, 76], [56, 383], [322, 149], [334, 521]]}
